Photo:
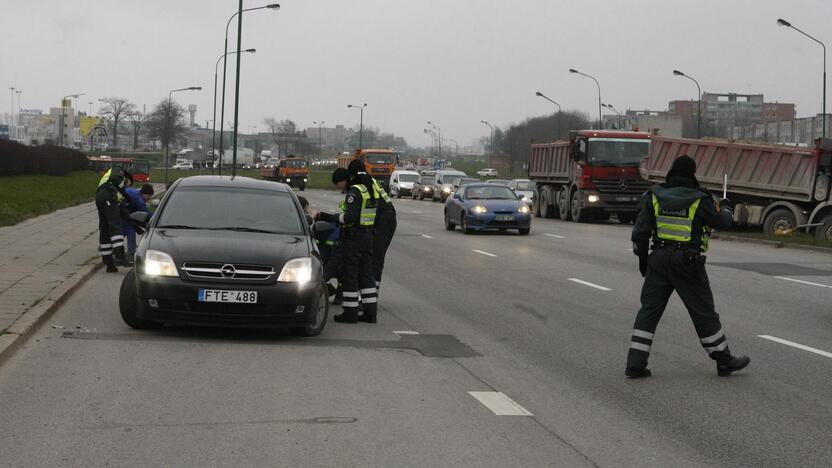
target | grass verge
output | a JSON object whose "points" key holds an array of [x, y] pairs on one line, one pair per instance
{"points": [[792, 239], [33, 195]]}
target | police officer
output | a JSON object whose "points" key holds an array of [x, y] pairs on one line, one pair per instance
{"points": [[385, 225], [110, 216], [356, 264], [678, 216]]}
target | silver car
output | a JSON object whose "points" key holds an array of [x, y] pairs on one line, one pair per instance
{"points": [[524, 188]]}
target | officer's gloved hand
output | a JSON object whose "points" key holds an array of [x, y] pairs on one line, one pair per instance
{"points": [[725, 204], [641, 249]]}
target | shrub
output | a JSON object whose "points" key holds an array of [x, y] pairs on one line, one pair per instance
{"points": [[18, 159]]}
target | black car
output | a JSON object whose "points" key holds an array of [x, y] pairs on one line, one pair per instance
{"points": [[227, 251]]}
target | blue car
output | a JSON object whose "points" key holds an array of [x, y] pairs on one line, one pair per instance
{"points": [[476, 207]]}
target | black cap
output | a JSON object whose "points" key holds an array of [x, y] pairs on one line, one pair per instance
{"points": [[147, 189], [356, 166], [339, 175], [683, 166]]}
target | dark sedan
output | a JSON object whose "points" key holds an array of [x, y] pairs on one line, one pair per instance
{"points": [[481, 206], [224, 251]]}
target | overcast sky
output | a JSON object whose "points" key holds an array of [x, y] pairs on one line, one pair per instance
{"points": [[454, 62]]}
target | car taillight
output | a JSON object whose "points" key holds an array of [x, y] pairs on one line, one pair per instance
{"points": [[583, 176]]}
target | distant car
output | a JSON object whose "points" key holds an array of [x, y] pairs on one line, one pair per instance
{"points": [[524, 189], [462, 181], [226, 252], [183, 166], [443, 183], [424, 186], [481, 206], [401, 183], [497, 181], [487, 172]]}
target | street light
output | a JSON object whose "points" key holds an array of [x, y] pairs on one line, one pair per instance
{"points": [[539, 94], [610, 107], [17, 128], [361, 125], [490, 144], [170, 127], [785, 23], [572, 70], [432, 134], [439, 135], [214, 129], [273, 6], [320, 140], [63, 112], [698, 102]]}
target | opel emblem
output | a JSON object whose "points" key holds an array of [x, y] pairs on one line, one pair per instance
{"points": [[228, 271], [622, 184]]}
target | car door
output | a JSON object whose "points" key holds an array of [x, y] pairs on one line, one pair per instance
{"points": [[394, 184], [455, 208]]}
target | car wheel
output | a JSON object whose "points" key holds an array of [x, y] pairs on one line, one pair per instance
{"points": [[128, 304], [319, 318], [450, 226], [524, 232], [398, 194], [465, 228]]}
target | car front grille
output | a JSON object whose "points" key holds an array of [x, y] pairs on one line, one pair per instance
{"points": [[228, 271], [621, 187]]}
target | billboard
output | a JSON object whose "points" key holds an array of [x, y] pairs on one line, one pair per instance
{"points": [[87, 124]]}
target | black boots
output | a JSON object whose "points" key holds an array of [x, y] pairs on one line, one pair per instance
{"points": [[366, 317], [724, 366], [121, 258], [347, 316], [634, 373]]}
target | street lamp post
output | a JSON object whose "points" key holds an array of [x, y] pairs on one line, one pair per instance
{"points": [[273, 6], [63, 112], [572, 70], [785, 23], [439, 136], [698, 102], [17, 128], [214, 129], [490, 143], [539, 94], [169, 126], [612, 108], [361, 125], [320, 139]]}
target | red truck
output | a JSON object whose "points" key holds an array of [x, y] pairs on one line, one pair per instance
{"points": [[591, 176], [774, 186]]}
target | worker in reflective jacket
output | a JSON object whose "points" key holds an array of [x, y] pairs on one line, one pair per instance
{"points": [[678, 217], [111, 214], [356, 265]]}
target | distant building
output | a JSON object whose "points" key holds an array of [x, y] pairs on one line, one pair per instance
{"points": [[332, 139], [722, 111], [778, 111], [661, 122]]}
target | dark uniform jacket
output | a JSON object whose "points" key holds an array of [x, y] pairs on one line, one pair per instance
{"points": [[351, 216]]}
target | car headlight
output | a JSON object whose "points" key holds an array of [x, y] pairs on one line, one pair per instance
{"points": [[523, 209], [593, 198], [288, 180], [446, 189], [426, 189], [296, 270], [480, 209], [304, 180], [158, 263]]}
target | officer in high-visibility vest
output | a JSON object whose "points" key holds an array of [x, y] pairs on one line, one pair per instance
{"points": [[385, 226], [678, 216], [111, 214], [356, 264]]}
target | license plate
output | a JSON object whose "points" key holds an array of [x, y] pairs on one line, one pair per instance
{"points": [[623, 198], [221, 295], [504, 217]]}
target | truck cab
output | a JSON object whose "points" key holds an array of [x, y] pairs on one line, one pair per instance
{"points": [[291, 170], [380, 164]]}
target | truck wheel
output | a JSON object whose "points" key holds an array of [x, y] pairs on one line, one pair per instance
{"points": [[626, 218], [579, 214], [563, 204], [302, 186], [545, 207], [824, 232], [128, 304], [536, 203], [780, 219]]}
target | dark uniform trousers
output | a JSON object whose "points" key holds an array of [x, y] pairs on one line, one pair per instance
{"points": [[110, 235], [385, 227], [676, 270], [356, 267]]}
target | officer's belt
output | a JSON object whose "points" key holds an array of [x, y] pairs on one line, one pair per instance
{"points": [[667, 244]]}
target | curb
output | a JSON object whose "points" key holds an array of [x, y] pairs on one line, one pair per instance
{"points": [[772, 243], [25, 326]]}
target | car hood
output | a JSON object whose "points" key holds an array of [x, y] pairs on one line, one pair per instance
{"points": [[406, 184], [494, 205], [187, 245]]}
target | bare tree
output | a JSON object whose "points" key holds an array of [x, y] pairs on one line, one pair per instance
{"points": [[138, 120], [115, 110], [278, 128], [166, 123]]}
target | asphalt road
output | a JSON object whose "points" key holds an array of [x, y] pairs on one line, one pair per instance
{"points": [[539, 323]]}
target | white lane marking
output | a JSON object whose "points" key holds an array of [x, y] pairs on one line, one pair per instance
{"points": [[484, 253], [500, 404], [553, 235], [426, 236], [591, 285], [405, 332], [804, 282], [417, 212], [796, 345], [313, 204]]}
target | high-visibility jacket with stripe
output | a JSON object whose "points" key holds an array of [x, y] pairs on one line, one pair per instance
{"points": [[678, 225]]}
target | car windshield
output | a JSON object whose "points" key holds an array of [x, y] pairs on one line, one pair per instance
{"points": [[462, 182], [448, 178], [294, 163], [408, 177], [228, 208], [617, 151], [379, 158], [524, 186], [425, 178], [497, 182], [497, 192]]}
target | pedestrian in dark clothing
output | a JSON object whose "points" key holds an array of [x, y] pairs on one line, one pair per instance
{"points": [[110, 216], [135, 200], [678, 216]]}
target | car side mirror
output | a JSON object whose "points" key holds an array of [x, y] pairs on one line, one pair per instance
{"points": [[139, 217], [458, 196]]}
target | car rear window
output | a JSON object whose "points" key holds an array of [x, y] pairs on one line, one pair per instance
{"points": [[227, 207]]}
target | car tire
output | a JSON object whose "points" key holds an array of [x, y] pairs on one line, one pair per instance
{"points": [[465, 228], [781, 218], [320, 317], [524, 232], [449, 225], [128, 304]]}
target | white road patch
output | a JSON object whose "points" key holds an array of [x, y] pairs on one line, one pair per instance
{"points": [[426, 236], [500, 404], [405, 332], [796, 345], [484, 253], [553, 235], [417, 212], [804, 282], [591, 285]]}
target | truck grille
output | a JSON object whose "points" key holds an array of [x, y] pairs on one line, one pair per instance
{"points": [[228, 271], [629, 187]]}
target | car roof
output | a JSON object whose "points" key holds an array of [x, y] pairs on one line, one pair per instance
{"points": [[520, 180], [231, 181], [483, 184], [405, 172], [449, 171]]}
